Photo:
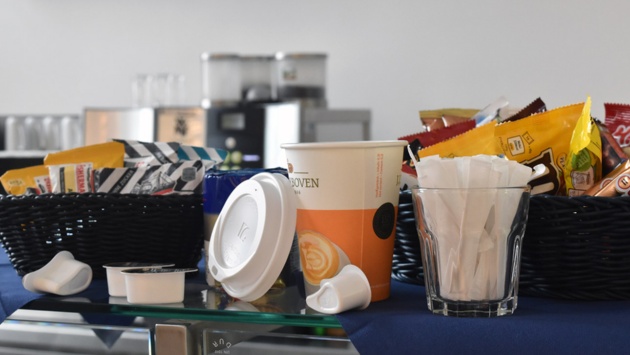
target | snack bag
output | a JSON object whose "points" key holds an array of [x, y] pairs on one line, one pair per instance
{"points": [[188, 152], [584, 164], [479, 140], [490, 112], [34, 180], [145, 153], [104, 155], [436, 119], [71, 178], [421, 140], [542, 138], [534, 107], [612, 153], [183, 177], [615, 183], [618, 122]]}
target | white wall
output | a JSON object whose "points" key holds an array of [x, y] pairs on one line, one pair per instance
{"points": [[394, 57]]}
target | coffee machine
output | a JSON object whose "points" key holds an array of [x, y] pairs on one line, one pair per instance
{"points": [[250, 105]]}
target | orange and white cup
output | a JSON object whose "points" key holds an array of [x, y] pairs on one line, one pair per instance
{"points": [[347, 196]]}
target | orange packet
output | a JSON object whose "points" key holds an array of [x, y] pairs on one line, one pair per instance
{"points": [[32, 179], [542, 138], [103, 155], [479, 140]]}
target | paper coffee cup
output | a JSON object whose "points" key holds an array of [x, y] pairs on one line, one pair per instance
{"points": [[347, 196]]}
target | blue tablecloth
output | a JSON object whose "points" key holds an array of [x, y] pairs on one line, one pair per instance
{"points": [[402, 324]]}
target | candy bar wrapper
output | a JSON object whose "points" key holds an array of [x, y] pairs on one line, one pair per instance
{"points": [[479, 140], [612, 153], [436, 119], [618, 122], [70, 178], [425, 139], [31, 180], [534, 107], [542, 138], [187, 152], [147, 153], [183, 177], [104, 155]]}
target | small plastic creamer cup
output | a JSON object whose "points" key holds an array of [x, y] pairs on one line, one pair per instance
{"points": [[347, 290], [63, 275], [347, 198]]}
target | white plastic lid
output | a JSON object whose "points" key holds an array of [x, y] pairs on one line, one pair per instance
{"points": [[252, 237]]}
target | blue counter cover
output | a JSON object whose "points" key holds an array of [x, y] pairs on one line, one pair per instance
{"points": [[403, 325]]}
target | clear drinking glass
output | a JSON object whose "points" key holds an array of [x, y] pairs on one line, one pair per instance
{"points": [[471, 240]]}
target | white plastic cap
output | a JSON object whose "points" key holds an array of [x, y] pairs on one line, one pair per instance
{"points": [[347, 290]]}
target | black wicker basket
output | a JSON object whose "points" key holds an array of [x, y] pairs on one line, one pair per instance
{"points": [[574, 247], [101, 228]]}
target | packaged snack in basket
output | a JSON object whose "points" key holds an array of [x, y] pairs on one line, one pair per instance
{"points": [[104, 155], [149, 153], [536, 106], [618, 122], [615, 183], [479, 140], [542, 138], [183, 177], [155, 153], [583, 167], [612, 153], [31, 180], [490, 112], [187, 152], [70, 178], [436, 119], [426, 139]]}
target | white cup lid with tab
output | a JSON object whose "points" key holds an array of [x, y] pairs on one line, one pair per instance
{"points": [[252, 237]]}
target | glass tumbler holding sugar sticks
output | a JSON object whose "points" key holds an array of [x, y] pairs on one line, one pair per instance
{"points": [[471, 240]]}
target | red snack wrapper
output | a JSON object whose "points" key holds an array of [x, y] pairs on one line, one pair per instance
{"points": [[618, 122], [612, 153], [425, 139]]}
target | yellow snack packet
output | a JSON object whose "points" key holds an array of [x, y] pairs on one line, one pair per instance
{"points": [[103, 155], [33, 178], [479, 140], [584, 165], [542, 138]]}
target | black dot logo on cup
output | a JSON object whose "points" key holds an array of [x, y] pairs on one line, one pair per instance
{"points": [[383, 221]]}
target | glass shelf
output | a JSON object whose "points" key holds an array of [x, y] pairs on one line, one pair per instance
{"points": [[280, 306]]}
